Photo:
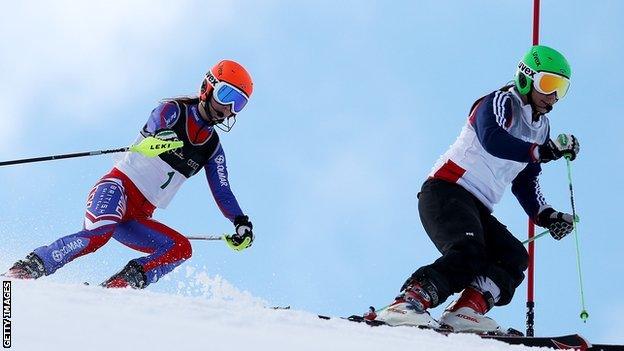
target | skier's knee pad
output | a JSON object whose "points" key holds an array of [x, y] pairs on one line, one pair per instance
{"points": [[106, 204]]}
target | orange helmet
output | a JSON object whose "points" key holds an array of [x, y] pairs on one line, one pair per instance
{"points": [[230, 72]]}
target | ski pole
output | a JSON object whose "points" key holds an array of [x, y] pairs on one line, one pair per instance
{"points": [[149, 147], [584, 315], [225, 237], [206, 237], [536, 237], [576, 219]]}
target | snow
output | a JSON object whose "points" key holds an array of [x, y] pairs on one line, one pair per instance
{"points": [[54, 316]]}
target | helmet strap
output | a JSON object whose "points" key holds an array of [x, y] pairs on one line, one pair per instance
{"points": [[227, 124]]}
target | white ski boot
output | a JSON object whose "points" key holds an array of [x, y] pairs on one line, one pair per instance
{"points": [[409, 308], [467, 314]]}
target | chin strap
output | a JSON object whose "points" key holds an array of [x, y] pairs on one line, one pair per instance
{"points": [[225, 125]]}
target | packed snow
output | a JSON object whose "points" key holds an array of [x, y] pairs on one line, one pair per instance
{"points": [[53, 316]]}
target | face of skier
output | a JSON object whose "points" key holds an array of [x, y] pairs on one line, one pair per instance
{"points": [[543, 103], [215, 113]]}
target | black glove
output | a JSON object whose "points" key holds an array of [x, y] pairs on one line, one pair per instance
{"points": [[243, 238], [565, 145], [558, 223]]}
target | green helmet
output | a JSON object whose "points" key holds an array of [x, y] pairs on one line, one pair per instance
{"points": [[540, 59]]}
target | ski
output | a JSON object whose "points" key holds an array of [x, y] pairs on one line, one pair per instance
{"points": [[511, 336], [564, 342]]}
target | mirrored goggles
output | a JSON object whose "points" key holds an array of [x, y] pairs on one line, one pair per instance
{"points": [[548, 83], [227, 94]]}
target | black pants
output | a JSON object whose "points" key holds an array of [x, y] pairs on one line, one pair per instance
{"points": [[471, 240]]}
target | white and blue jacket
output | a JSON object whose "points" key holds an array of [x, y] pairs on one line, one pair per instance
{"points": [[497, 147]]}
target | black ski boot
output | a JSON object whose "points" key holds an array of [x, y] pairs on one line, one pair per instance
{"points": [[29, 268], [132, 275]]}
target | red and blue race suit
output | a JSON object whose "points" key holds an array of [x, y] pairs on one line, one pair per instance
{"points": [[122, 202]]}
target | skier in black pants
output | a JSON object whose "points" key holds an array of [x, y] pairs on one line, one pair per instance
{"points": [[505, 141]]}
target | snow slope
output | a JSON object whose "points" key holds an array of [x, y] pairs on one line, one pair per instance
{"points": [[52, 316]]}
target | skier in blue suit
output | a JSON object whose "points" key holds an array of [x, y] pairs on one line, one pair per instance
{"points": [[122, 202]]}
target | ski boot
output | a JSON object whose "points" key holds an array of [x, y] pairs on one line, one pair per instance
{"points": [[29, 268], [467, 314], [132, 275], [409, 308]]}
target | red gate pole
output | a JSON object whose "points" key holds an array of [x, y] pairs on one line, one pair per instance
{"points": [[536, 14], [530, 316]]}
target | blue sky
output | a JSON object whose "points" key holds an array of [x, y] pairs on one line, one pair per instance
{"points": [[353, 103]]}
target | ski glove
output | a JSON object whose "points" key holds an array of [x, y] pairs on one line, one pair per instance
{"points": [[558, 223], [243, 238], [565, 145]]}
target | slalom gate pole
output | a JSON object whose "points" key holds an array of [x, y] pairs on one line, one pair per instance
{"points": [[530, 315], [584, 315]]}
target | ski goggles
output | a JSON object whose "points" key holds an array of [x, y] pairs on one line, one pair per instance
{"points": [[227, 94], [548, 83]]}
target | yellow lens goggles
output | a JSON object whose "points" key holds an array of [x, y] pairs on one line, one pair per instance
{"points": [[548, 83]]}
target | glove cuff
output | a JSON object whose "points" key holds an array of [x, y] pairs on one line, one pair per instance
{"points": [[548, 152], [242, 220], [544, 216]]}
